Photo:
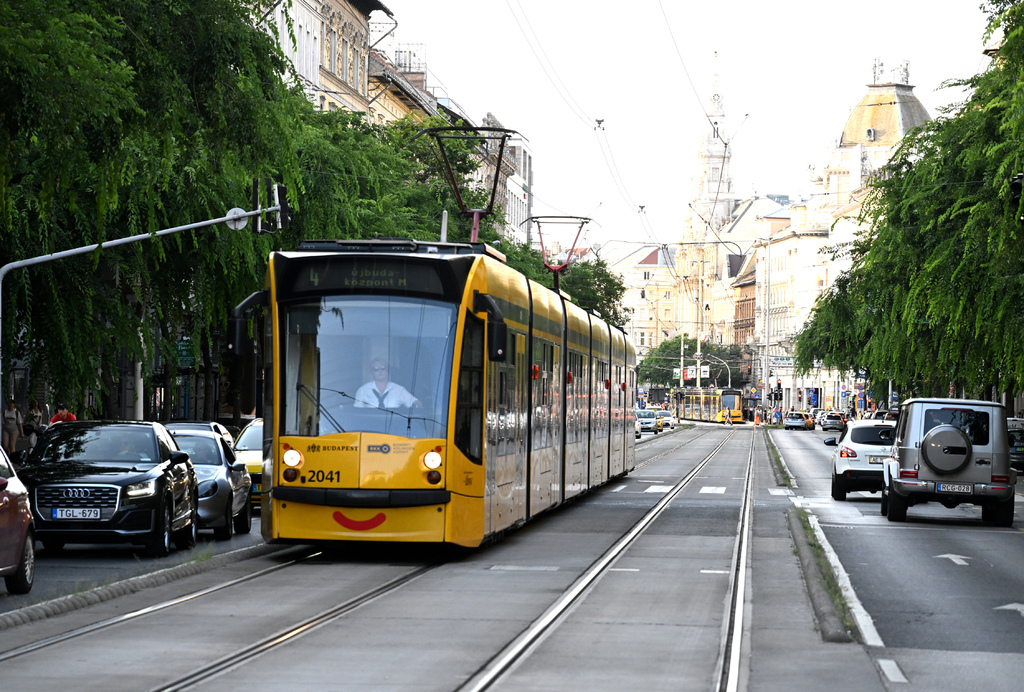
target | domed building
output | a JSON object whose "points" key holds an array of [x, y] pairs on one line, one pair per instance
{"points": [[874, 129], [797, 265]]}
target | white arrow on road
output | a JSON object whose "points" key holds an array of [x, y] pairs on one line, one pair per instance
{"points": [[1019, 607], [957, 559]]}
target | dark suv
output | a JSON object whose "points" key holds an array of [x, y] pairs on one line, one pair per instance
{"points": [[112, 482]]}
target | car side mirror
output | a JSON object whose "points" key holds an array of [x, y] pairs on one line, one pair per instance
{"points": [[3, 484], [831, 441], [885, 434], [238, 466], [179, 457]]}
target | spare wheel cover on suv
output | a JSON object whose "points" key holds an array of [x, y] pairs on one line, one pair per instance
{"points": [[946, 449]]}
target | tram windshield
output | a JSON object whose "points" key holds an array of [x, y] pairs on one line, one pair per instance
{"points": [[379, 364]]}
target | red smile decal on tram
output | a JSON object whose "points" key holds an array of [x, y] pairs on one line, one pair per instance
{"points": [[353, 525]]}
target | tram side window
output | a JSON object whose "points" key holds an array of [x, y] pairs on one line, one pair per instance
{"points": [[469, 402]]}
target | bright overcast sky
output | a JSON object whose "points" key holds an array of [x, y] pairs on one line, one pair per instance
{"points": [[794, 68]]}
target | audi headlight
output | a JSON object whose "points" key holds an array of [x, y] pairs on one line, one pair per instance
{"points": [[143, 489]]}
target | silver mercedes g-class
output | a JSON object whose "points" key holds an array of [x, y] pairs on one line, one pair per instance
{"points": [[951, 451]]}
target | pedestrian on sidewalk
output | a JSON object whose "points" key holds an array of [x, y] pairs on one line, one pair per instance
{"points": [[34, 424], [62, 415], [12, 428]]}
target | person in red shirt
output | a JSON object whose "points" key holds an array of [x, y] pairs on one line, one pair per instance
{"points": [[62, 414]]}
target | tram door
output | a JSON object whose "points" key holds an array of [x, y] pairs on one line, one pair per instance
{"points": [[522, 374]]}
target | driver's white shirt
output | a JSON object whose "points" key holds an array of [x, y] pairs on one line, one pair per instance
{"points": [[394, 395]]}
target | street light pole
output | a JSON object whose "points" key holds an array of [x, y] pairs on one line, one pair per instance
{"points": [[727, 368]]}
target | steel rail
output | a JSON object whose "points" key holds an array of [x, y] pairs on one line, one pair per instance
{"points": [[246, 654], [148, 610], [728, 665], [499, 665]]}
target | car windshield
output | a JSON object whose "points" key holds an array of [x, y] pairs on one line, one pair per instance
{"points": [[250, 439], [1016, 437], [202, 450], [96, 445], [645, 414], [189, 426]]}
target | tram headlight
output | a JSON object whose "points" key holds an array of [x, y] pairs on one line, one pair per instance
{"points": [[432, 460], [292, 457]]}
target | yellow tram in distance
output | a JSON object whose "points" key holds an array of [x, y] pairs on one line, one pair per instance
{"points": [[427, 392], [713, 405]]}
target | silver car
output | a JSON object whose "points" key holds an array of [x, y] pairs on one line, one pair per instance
{"points": [[224, 482], [951, 451]]}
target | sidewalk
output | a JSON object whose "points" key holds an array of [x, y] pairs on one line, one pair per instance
{"points": [[787, 649]]}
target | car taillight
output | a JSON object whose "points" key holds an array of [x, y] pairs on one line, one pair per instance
{"points": [[908, 473], [1000, 479], [847, 453]]}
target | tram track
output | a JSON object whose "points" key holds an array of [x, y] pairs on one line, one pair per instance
{"points": [[727, 669]]}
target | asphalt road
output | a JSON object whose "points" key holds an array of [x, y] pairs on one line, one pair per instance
{"points": [[943, 592]]}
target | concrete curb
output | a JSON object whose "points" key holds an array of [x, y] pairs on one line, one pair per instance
{"points": [[67, 604], [832, 629]]}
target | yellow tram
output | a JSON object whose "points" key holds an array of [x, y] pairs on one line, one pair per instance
{"points": [[713, 405], [427, 392]]}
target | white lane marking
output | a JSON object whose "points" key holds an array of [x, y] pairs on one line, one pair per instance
{"points": [[891, 670], [659, 489], [714, 571], [779, 491], [1019, 607], [713, 490], [524, 568], [810, 503], [623, 569], [864, 621], [956, 559], [621, 487]]}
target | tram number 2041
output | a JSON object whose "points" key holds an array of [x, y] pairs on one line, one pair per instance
{"points": [[323, 476]]}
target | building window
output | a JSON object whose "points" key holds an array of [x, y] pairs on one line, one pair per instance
{"points": [[344, 58]]}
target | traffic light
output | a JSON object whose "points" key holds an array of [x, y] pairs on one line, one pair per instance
{"points": [[778, 385]]}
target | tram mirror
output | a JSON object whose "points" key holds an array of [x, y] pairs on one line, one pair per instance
{"points": [[237, 334], [497, 340]]}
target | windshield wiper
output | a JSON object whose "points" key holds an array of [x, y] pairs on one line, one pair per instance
{"points": [[305, 389]]}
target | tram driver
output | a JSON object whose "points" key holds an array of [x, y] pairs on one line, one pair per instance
{"points": [[381, 392]]}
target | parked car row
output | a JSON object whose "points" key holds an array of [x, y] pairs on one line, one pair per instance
{"points": [[141, 483]]}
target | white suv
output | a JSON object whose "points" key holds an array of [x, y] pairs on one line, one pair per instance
{"points": [[860, 454], [951, 451]]}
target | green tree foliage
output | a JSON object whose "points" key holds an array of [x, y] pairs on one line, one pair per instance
{"points": [[933, 298], [660, 364], [128, 117], [152, 114]]}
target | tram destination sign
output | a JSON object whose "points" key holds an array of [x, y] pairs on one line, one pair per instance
{"points": [[781, 361], [362, 275]]}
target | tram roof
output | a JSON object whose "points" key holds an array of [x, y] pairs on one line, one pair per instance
{"points": [[400, 246]]}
